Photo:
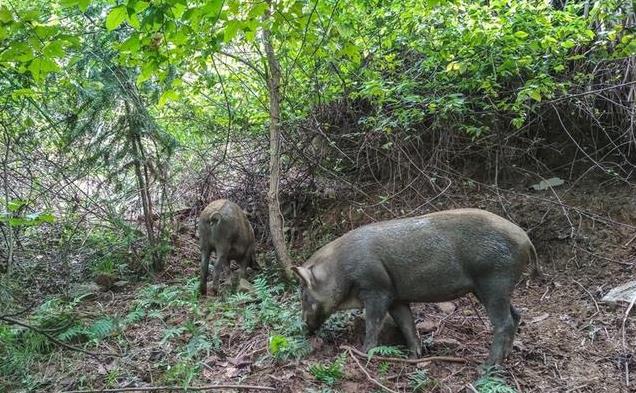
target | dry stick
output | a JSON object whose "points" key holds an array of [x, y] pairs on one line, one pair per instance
{"points": [[471, 388], [409, 361], [55, 340], [630, 240], [631, 304], [590, 92], [179, 388], [375, 381], [589, 294]]}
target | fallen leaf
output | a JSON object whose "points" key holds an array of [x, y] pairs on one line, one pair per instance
{"points": [[548, 183], [426, 326], [446, 307], [540, 318]]}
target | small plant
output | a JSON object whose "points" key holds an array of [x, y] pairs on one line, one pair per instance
{"points": [[283, 348], [420, 381], [181, 373], [112, 376], [329, 373], [491, 382], [383, 368]]}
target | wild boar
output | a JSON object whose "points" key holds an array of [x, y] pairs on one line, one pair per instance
{"points": [[436, 257], [224, 228]]}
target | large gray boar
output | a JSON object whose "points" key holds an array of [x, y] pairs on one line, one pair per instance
{"points": [[224, 228], [432, 258]]}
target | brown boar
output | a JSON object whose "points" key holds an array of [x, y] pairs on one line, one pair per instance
{"points": [[432, 258], [224, 229]]}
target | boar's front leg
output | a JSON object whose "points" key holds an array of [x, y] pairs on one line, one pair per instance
{"points": [[402, 315], [375, 307]]}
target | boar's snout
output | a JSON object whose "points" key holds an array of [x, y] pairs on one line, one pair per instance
{"points": [[313, 321]]}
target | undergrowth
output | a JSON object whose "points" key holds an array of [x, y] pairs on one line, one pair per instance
{"points": [[492, 382], [21, 347]]}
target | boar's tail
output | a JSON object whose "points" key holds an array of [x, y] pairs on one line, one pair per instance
{"points": [[535, 271]]}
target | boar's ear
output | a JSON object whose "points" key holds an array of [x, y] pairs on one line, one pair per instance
{"points": [[304, 275]]}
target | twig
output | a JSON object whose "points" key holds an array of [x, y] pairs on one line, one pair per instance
{"points": [[179, 388], [590, 295], [471, 388], [409, 361], [590, 92], [55, 340], [631, 304], [369, 377], [630, 240], [15, 314]]}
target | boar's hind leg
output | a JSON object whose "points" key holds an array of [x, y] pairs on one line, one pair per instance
{"points": [[375, 307], [504, 327], [222, 262], [205, 263], [402, 315]]}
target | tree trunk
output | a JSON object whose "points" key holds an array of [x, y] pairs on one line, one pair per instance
{"points": [[6, 205], [275, 215], [138, 154]]}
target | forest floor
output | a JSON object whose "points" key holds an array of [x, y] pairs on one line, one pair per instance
{"points": [[569, 341]]}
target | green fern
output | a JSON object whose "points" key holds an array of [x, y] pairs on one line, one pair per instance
{"points": [[386, 350], [101, 328], [134, 316], [491, 382], [171, 333], [420, 381], [329, 373], [73, 333]]}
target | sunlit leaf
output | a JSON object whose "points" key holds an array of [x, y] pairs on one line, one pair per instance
{"points": [[116, 17], [41, 67]]}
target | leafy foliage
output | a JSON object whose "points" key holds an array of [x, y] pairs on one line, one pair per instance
{"points": [[329, 373]]}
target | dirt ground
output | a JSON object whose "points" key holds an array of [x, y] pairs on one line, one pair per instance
{"points": [[569, 341]]}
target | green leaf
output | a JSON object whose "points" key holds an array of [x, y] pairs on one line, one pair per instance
{"points": [[258, 10], [168, 95], [83, 4], [41, 67], [535, 95], [134, 21], [68, 3], [116, 17], [140, 6], [5, 15], [132, 44], [54, 49], [178, 10], [567, 44], [521, 34], [212, 8], [146, 72], [231, 28], [15, 205]]}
